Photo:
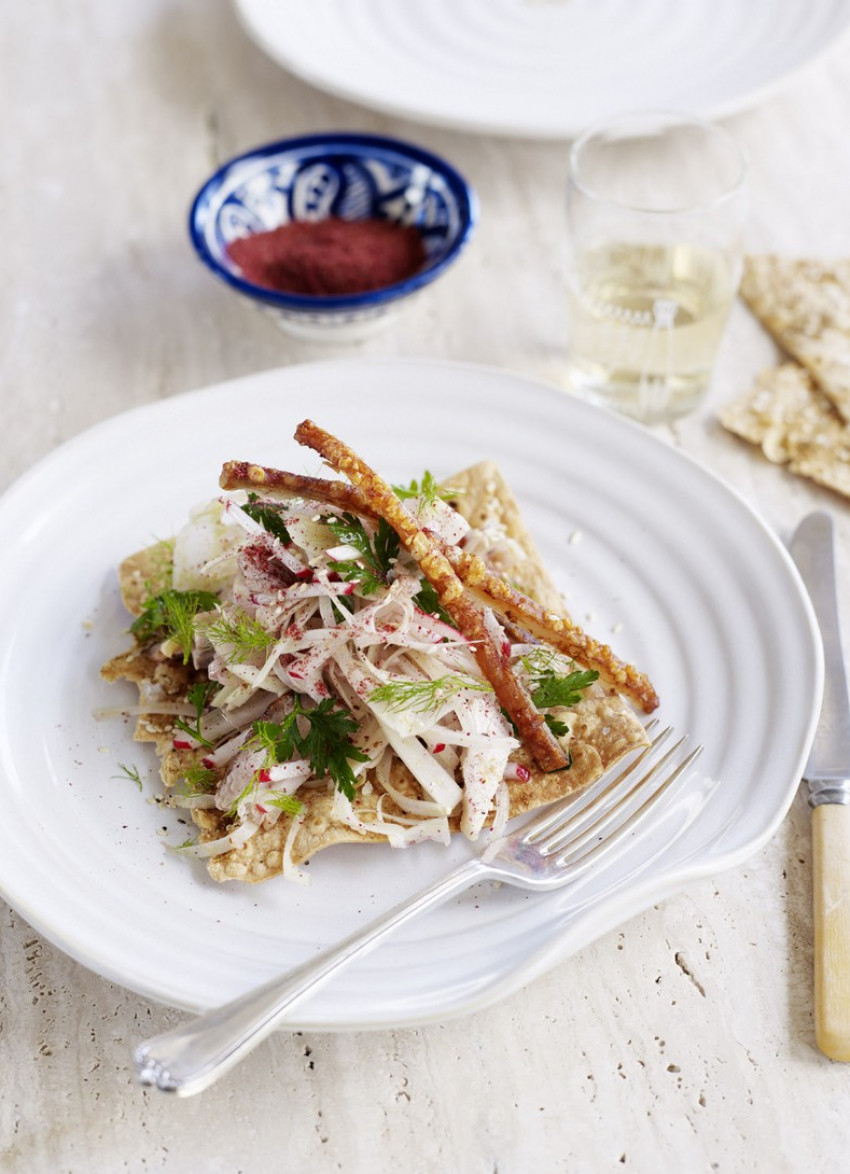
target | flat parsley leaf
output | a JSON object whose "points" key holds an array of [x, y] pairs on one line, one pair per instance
{"points": [[428, 489], [427, 599], [375, 558], [549, 689], [386, 545], [326, 745], [558, 728], [267, 513]]}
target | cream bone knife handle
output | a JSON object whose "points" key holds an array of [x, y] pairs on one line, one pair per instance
{"points": [[828, 775], [831, 894]]}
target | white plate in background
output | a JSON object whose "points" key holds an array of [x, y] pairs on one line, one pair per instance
{"points": [[545, 68]]}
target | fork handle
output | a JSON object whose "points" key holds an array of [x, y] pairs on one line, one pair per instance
{"points": [[192, 1056]]}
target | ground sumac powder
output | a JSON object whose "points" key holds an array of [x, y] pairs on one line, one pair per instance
{"points": [[330, 257]]}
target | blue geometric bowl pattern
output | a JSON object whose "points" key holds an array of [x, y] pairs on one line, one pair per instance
{"points": [[343, 175]]}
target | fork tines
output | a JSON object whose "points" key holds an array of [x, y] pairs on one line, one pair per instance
{"points": [[612, 806]]}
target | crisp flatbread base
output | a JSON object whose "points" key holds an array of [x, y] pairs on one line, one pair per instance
{"points": [[795, 424], [605, 728], [805, 304]]}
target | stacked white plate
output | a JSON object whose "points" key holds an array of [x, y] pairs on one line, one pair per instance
{"points": [[545, 68]]}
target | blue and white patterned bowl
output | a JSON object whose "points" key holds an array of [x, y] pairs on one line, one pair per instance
{"points": [[351, 176]]}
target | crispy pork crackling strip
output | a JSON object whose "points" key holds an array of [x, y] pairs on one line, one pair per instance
{"points": [[488, 588], [545, 625], [467, 616], [244, 475]]}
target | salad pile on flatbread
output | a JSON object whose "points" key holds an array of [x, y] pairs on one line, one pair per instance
{"points": [[322, 661]]}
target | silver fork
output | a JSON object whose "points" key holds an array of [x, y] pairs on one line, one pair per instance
{"points": [[551, 850]]}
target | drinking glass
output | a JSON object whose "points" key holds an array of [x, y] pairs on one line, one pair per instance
{"points": [[656, 210]]}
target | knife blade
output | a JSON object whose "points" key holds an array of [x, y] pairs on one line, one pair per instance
{"points": [[828, 769], [828, 776]]}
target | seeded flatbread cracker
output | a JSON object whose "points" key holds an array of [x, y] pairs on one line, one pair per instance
{"points": [[805, 304], [492, 510], [795, 424], [604, 727]]}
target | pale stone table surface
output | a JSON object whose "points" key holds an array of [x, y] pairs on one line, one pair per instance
{"points": [[682, 1041]]}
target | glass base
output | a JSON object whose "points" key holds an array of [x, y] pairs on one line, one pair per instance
{"points": [[650, 401]]}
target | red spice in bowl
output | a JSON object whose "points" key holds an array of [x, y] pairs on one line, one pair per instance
{"points": [[330, 258]]}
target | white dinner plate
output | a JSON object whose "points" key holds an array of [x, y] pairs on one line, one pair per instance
{"points": [[655, 556], [545, 68]]}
